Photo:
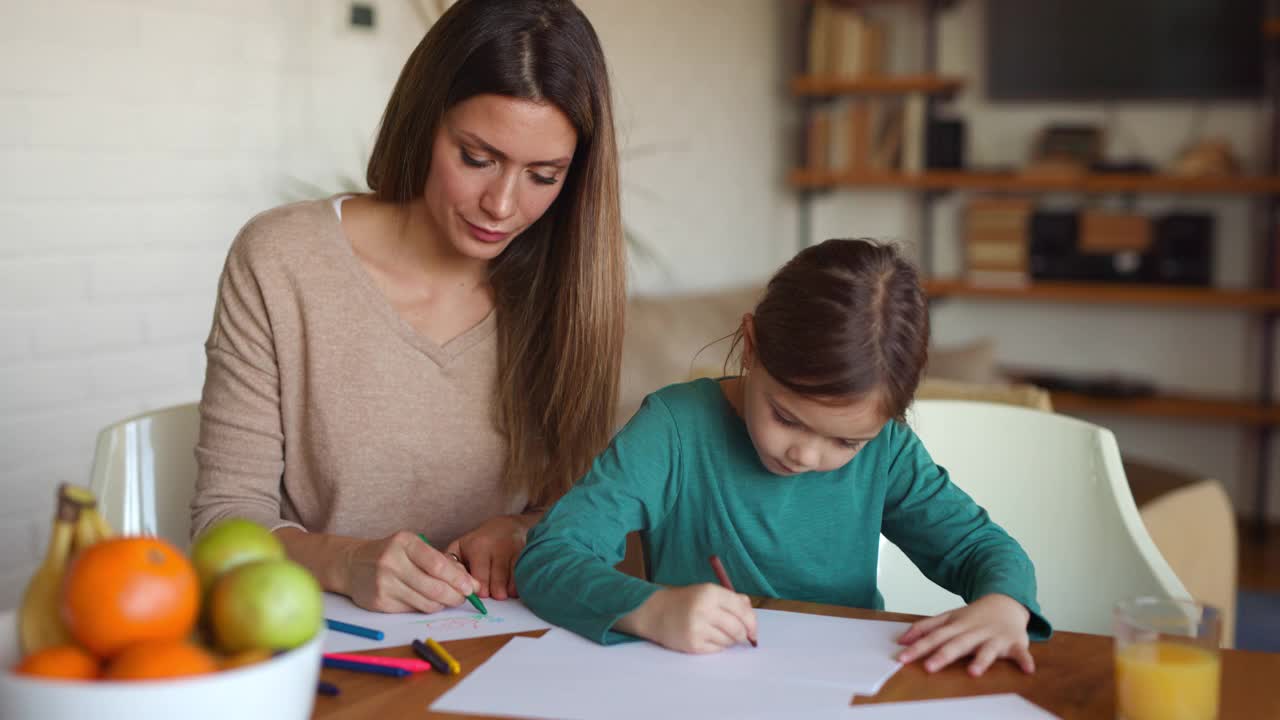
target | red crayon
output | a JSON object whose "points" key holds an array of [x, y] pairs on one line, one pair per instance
{"points": [[410, 664], [723, 577]]}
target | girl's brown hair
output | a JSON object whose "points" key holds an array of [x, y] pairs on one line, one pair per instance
{"points": [[561, 286], [845, 319]]}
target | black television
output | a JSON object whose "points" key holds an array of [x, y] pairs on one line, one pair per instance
{"points": [[1124, 49]]}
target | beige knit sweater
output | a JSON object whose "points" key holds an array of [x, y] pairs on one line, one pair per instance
{"points": [[323, 409]]}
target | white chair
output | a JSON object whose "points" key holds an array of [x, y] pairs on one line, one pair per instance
{"points": [[1057, 486], [144, 473]]}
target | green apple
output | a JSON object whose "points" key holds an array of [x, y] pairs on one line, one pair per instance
{"points": [[229, 544], [265, 605]]}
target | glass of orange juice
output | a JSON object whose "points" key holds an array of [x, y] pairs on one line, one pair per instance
{"points": [[1167, 662]]}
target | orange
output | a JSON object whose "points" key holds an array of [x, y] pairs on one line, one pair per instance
{"points": [[63, 661], [124, 591], [158, 659]]}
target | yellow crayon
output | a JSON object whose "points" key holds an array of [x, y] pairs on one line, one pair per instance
{"points": [[454, 667]]}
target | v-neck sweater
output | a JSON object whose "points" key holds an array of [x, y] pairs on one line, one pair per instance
{"points": [[325, 410]]}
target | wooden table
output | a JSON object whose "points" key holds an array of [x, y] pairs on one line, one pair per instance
{"points": [[1074, 678]]}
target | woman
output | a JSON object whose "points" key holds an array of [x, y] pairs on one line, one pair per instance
{"points": [[440, 356]]}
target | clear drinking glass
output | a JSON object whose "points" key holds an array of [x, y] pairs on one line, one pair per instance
{"points": [[1167, 659]]}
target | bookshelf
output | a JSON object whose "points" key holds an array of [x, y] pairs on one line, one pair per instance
{"points": [[831, 85], [1112, 294], [805, 178], [1237, 411], [1259, 414]]}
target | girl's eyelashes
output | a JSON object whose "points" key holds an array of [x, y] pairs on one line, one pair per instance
{"points": [[544, 179], [854, 445], [784, 419]]}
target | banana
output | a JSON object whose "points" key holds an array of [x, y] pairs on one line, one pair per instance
{"points": [[91, 527], [39, 622], [104, 528], [86, 530]]}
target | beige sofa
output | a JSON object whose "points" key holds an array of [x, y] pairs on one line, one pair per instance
{"points": [[673, 338]]}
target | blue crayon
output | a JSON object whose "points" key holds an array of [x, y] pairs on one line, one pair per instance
{"points": [[364, 667], [353, 629], [327, 688]]}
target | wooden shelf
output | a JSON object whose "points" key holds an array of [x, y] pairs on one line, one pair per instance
{"points": [[1177, 407], [1109, 294], [1011, 182], [827, 85]]}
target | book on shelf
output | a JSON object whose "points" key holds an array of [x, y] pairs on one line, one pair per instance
{"points": [[820, 20], [915, 115], [859, 132], [886, 154], [844, 42], [818, 139]]}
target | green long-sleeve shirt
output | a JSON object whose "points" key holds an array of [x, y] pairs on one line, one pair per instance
{"points": [[685, 474]]}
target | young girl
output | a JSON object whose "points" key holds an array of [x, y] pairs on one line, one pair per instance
{"points": [[789, 472]]}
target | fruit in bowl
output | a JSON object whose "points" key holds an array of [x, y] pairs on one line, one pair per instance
{"points": [[229, 544], [273, 687], [265, 604], [124, 591], [108, 608]]}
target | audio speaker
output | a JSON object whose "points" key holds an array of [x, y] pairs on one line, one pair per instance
{"points": [[944, 145], [1184, 248]]}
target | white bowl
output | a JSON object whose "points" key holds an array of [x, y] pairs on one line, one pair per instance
{"points": [[282, 688]]}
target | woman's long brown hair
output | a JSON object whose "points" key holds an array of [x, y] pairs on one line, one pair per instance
{"points": [[561, 286]]}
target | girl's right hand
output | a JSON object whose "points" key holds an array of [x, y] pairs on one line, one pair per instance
{"points": [[693, 619], [400, 573]]}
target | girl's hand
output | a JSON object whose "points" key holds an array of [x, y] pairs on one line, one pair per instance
{"points": [[991, 627], [490, 552], [400, 573], [694, 619]]}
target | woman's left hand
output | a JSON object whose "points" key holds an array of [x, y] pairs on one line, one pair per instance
{"points": [[490, 552], [992, 627]]}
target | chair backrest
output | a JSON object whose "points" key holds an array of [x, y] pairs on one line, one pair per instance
{"points": [[1056, 484], [144, 473]]}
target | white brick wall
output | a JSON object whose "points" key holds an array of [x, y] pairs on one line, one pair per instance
{"points": [[136, 137]]}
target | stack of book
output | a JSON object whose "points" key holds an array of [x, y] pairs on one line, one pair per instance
{"points": [[996, 241]]}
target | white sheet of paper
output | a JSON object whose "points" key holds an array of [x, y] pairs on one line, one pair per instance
{"points": [[982, 707], [505, 616], [854, 655], [520, 681]]}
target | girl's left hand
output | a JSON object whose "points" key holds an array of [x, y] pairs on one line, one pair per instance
{"points": [[991, 627], [490, 552]]}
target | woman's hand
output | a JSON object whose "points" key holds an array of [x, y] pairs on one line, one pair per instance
{"points": [[401, 573], [693, 619], [490, 552], [991, 627]]}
